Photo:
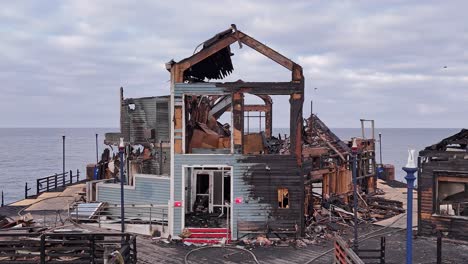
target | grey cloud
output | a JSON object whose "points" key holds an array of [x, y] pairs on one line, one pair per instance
{"points": [[62, 62]]}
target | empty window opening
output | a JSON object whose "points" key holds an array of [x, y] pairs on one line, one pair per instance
{"points": [[283, 198], [254, 122], [452, 196]]}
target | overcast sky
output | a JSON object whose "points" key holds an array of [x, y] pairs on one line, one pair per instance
{"points": [[62, 62]]}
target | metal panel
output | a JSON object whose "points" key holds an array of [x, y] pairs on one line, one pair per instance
{"points": [[142, 115]]}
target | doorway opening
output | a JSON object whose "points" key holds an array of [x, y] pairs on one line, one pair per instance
{"points": [[208, 197]]}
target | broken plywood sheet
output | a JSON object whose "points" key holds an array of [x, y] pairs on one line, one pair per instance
{"points": [[398, 194], [27, 202], [52, 204]]}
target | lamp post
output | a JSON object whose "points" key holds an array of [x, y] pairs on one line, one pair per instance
{"points": [[354, 150], [410, 169], [122, 179]]}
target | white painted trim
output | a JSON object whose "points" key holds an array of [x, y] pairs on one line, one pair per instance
{"points": [[170, 217]]}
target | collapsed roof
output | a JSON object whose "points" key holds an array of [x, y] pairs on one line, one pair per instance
{"points": [[457, 141]]}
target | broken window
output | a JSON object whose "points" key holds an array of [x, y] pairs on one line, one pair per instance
{"points": [[283, 198], [452, 196]]}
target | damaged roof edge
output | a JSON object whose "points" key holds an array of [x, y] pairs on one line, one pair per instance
{"points": [[220, 42]]}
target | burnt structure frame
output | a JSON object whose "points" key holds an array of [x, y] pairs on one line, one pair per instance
{"points": [[295, 89], [291, 164], [436, 161]]}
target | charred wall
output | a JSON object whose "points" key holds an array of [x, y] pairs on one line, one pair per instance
{"points": [[435, 164], [256, 185]]}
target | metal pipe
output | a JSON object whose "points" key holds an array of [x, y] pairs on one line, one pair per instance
{"points": [[160, 158], [63, 156], [97, 150], [380, 147], [355, 204], [122, 206]]}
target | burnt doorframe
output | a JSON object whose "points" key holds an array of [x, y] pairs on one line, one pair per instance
{"points": [[230, 219]]}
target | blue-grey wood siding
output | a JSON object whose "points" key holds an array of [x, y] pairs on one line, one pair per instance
{"points": [[147, 190]]}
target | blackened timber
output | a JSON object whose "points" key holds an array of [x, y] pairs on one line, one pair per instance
{"points": [[264, 88]]}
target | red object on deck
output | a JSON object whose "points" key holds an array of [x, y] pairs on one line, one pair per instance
{"points": [[177, 204], [208, 235]]}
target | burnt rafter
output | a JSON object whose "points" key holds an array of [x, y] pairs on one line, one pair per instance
{"points": [[460, 139], [213, 61]]}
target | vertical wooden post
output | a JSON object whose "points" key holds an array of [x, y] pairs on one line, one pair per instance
{"points": [[382, 250], [135, 250], [439, 248], [238, 121], [93, 246], [71, 177], [37, 186], [42, 254]]}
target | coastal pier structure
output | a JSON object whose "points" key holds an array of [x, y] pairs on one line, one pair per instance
{"points": [[208, 154]]}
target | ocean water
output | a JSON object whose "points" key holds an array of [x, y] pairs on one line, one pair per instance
{"points": [[30, 153]]}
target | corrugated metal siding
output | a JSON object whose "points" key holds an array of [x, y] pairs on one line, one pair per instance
{"points": [[197, 89], [147, 191], [149, 113]]}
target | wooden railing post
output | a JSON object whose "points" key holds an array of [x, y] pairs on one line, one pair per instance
{"points": [[439, 247], [71, 177], [382, 250], [93, 246], [42, 255], [37, 186], [77, 175], [135, 249], [56, 178]]}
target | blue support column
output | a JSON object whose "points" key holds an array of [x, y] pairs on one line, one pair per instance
{"points": [[122, 179], [410, 178]]}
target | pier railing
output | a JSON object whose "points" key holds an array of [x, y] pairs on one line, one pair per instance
{"points": [[67, 248], [56, 181]]}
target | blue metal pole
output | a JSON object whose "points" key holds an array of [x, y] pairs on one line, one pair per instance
{"points": [[355, 202], [410, 178], [122, 209]]}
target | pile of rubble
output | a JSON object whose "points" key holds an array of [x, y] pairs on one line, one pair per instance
{"points": [[334, 215]]}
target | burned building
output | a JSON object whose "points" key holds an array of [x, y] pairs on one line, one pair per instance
{"points": [[443, 188], [327, 164], [223, 171], [210, 156]]}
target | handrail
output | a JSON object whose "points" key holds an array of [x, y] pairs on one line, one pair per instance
{"points": [[82, 247], [134, 213]]}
